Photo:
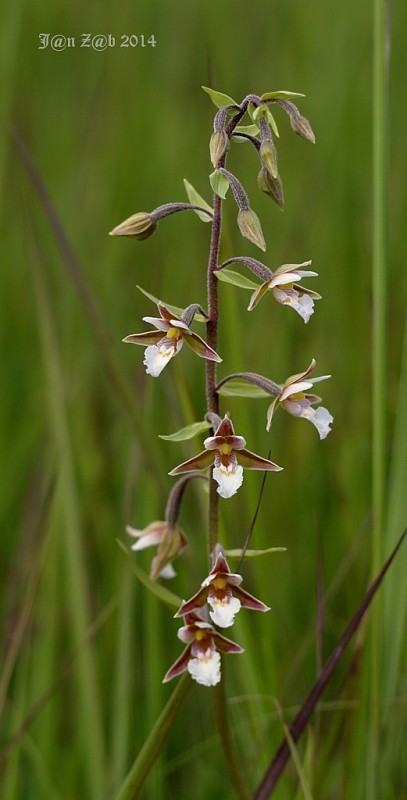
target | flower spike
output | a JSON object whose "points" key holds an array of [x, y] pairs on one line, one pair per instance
{"points": [[160, 349]]}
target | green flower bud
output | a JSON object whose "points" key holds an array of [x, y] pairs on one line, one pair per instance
{"points": [[218, 145], [271, 186], [250, 227], [138, 226], [268, 155], [301, 126]]}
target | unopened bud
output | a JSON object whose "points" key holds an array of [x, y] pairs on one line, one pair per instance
{"points": [[301, 126], [271, 186], [218, 145], [268, 155], [250, 227], [172, 544], [139, 226]]}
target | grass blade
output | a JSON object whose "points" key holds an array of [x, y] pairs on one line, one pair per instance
{"points": [[279, 761], [151, 749], [66, 496]]}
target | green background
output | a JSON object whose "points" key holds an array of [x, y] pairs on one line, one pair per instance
{"points": [[112, 133]]}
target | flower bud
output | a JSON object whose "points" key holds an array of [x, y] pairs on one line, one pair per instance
{"points": [[218, 145], [250, 227], [138, 226], [172, 544], [271, 186], [301, 126], [268, 156]]}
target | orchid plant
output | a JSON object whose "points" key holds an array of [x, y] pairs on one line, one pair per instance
{"points": [[220, 595]]}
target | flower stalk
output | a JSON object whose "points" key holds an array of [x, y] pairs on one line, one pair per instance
{"points": [[220, 596]]}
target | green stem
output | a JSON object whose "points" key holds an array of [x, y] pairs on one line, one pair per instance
{"points": [[212, 398], [147, 756], [380, 92], [232, 761]]}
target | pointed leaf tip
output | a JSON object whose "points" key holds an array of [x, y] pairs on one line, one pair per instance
{"points": [[280, 95], [230, 276], [188, 432], [197, 200], [219, 99], [219, 183]]}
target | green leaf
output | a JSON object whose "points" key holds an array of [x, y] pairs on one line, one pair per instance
{"points": [[280, 95], [273, 125], [196, 200], [174, 309], [160, 591], [264, 111], [188, 432], [254, 553], [229, 276], [219, 99], [237, 388], [294, 755], [251, 130], [259, 111], [219, 183]]}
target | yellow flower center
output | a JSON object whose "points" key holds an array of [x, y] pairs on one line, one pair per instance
{"points": [[199, 635], [174, 333], [220, 583], [225, 449]]}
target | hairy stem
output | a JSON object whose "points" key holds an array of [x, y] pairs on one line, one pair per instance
{"points": [[212, 399], [212, 324]]}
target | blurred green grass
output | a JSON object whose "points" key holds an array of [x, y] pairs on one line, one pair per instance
{"points": [[113, 133]]}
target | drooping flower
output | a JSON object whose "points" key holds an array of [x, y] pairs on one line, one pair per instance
{"points": [[296, 400], [229, 459], [171, 542], [221, 589], [160, 349], [286, 291], [201, 657]]}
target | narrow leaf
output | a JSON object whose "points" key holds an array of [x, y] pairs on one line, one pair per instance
{"points": [[295, 756], [258, 112], [276, 768], [242, 389], [160, 591], [154, 743], [264, 111], [196, 200], [219, 99], [219, 183], [229, 276], [272, 123], [280, 95], [173, 309], [188, 432], [237, 553]]}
